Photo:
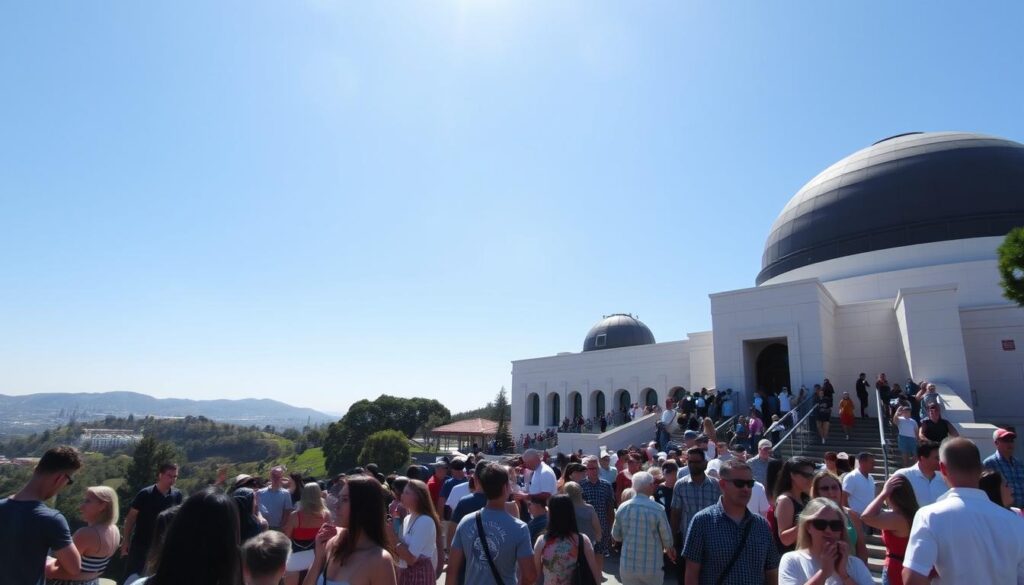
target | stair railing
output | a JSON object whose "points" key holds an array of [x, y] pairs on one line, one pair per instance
{"points": [[881, 433], [797, 433]]}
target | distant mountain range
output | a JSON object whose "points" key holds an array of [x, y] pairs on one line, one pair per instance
{"points": [[32, 412]]}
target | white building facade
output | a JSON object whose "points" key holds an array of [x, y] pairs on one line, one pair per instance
{"points": [[884, 262]]}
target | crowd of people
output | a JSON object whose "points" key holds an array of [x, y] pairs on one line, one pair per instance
{"points": [[712, 510]]}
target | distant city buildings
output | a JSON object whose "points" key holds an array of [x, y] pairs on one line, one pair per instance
{"points": [[108, 439]]}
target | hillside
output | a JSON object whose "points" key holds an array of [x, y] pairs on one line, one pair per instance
{"points": [[20, 415]]}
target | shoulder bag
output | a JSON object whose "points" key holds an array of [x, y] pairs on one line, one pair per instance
{"points": [[582, 575], [736, 554], [487, 549]]}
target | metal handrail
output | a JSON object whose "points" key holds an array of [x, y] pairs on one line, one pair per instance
{"points": [[881, 433], [791, 411], [776, 446], [726, 423]]}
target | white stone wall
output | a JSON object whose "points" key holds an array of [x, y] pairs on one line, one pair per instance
{"points": [[867, 340], [997, 376]]}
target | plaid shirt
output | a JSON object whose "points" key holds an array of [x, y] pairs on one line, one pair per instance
{"points": [[1012, 470], [691, 497], [713, 539], [600, 495], [643, 529]]}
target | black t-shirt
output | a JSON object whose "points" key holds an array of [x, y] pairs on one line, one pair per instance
{"points": [[150, 502], [935, 430], [862, 387], [883, 390], [663, 495], [823, 408]]}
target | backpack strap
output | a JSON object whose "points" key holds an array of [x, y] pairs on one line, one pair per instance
{"points": [[487, 549]]}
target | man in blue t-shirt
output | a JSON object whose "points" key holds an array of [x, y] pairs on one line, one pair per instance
{"points": [[507, 539], [29, 529]]}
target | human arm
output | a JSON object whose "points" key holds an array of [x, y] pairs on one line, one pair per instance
{"points": [[129, 529], [862, 541], [922, 552], [384, 570], [667, 543], [85, 541], [876, 516], [527, 572], [538, 553], [524, 558], [324, 541], [784, 519], [588, 552], [595, 524], [454, 565], [69, 563], [952, 429], [290, 525], [692, 573]]}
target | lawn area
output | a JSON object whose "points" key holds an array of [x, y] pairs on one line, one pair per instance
{"points": [[310, 462]]}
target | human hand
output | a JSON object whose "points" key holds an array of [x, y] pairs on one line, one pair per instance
{"points": [[124, 549], [828, 559], [326, 533], [842, 558], [892, 483]]}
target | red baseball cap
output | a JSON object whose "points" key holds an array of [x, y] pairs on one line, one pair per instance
{"points": [[1003, 434]]}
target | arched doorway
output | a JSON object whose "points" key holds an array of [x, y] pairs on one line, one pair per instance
{"points": [[773, 368], [577, 404], [624, 401], [555, 408], [677, 392], [650, 397], [533, 410]]}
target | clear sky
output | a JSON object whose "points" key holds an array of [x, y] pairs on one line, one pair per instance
{"points": [[320, 202]]}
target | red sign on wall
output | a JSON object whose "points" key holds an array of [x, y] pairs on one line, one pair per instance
{"points": [[1009, 345]]}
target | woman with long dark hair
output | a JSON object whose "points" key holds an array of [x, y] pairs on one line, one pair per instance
{"points": [[421, 530], [894, 523], [557, 549], [356, 552], [248, 514], [998, 491], [791, 495], [201, 544]]}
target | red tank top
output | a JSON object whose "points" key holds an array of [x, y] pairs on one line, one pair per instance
{"points": [[300, 533], [895, 547]]}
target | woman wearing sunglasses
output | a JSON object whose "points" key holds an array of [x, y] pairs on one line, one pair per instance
{"points": [[822, 555], [826, 485]]}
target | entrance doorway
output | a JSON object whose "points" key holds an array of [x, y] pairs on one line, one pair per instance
{"points": [[772, 368]]}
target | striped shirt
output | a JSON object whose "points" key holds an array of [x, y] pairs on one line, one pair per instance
{"points": [[641, 526], [1012, 471]]}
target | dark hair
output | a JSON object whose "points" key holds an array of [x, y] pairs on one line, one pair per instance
{"points": [[904, 501], [266, 553], [398, 485], [926, 447], [413, 472], [458, 464], [561, 517], [367, 513], [670, 467], [696, 451], [166, 466], [730, 466], [991, 483], [784, 481], [493, 480], [480, 466], [201, 544], [61, 459], [163, 520], [864, 455], [960, 455], [574, 468], [248, 525]]}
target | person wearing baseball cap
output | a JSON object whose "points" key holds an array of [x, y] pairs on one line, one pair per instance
{"points": [[1003, 461]]}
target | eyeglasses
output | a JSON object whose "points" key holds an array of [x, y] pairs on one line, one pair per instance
{"points": [[71, 480], [1007, 439], [833, 525], [828, 488], [742, 483]]}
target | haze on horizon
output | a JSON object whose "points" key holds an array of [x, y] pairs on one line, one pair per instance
{"points": [[320, 202]]}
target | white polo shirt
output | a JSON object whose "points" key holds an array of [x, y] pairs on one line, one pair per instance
{"points": [[927, 491], [543, 480], [968, 539], [758, 503], [860, 490], [667, 417]]}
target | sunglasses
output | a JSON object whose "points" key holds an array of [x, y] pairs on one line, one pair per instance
{"points": [[833, 525], [71, 480], [742, 483], [806, 474]]}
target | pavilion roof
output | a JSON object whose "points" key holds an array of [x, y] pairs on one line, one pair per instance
{"points": [[473, 426]]}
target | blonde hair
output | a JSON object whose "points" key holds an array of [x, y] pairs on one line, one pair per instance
{"points": [[627, 495], [575, 492], [803, 537], [108, 496], [312, 501], [709, 429]]}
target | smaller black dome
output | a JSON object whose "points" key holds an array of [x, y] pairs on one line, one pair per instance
{"points": [[618, 330]]}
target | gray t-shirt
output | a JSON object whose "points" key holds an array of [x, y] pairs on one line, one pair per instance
{"points": [[273, 504], [507, 538], [28, 530]]}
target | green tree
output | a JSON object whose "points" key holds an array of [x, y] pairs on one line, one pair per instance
{"points": [[388, 449], [146, 459], [503, 437], [1011, 265]]}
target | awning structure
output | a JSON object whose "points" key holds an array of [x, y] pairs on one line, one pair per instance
{"points": [[466, 432]]}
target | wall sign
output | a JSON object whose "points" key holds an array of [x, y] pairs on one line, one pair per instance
{"points": [[1009, 345]]}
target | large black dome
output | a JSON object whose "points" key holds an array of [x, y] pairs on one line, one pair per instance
{"points": [[618, 330], [909, 189]]}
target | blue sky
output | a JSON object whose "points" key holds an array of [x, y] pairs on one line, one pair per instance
{"points": [[320, 202]]}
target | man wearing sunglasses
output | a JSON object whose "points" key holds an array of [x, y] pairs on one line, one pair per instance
{"points": [[1003, 461], [727, 544], [29, 528]]}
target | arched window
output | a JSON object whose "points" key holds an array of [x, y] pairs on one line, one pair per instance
{"points": [[650, 397], [599, 406], [556, 410], [624, 401], [533, 410], [577, 405]]}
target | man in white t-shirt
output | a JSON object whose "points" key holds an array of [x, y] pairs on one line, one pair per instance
{"points": [[858, 485], [964, 536], [924, 475], [542, 481]]}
